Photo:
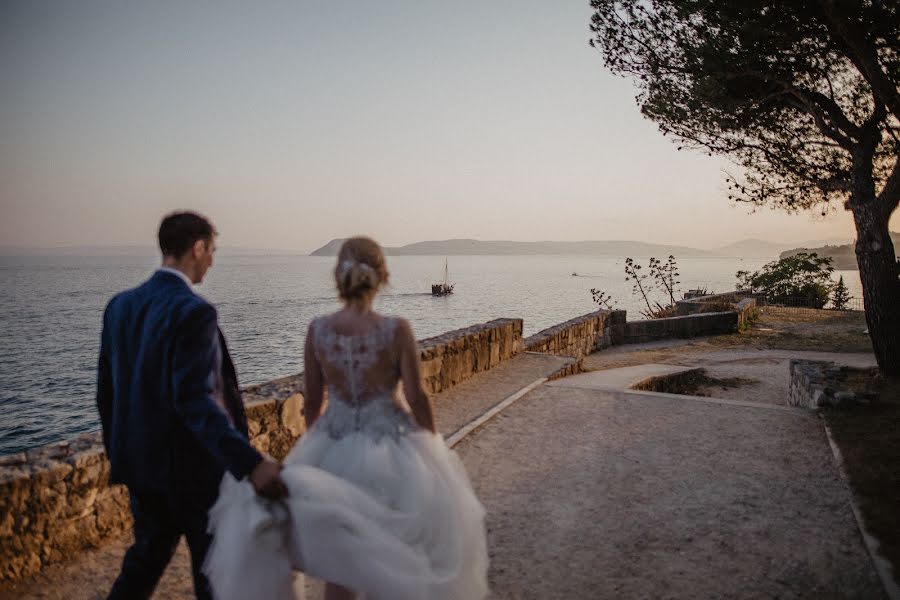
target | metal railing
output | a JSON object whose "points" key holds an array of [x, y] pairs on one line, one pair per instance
{"points": [[802, 303]]}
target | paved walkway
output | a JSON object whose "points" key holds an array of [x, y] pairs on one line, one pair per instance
{"points": [[596, 492], [765, 373]]}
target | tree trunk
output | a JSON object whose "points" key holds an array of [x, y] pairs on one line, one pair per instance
{"points": [[881, 287]]}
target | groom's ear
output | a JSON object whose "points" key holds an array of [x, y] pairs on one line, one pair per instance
{"points": [[198, 249]]}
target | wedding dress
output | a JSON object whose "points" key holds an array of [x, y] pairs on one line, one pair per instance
{"points": [[376, 503]]}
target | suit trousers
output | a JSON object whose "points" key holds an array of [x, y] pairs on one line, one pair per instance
{"points": [[159, 522]]}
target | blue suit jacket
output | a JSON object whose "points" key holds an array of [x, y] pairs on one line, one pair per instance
{"points": [[161, 358]]}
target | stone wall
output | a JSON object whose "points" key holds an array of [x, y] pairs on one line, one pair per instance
{"points": [[814, 384], [693, 321], [746, 310], [55, 500], [455, 356], [699, 304], [580, 336], [688, 326]]}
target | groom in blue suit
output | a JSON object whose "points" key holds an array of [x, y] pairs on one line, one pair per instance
{"points": [[172, 415]]}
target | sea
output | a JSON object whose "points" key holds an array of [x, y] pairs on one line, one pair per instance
{"points": [[51, 310]]}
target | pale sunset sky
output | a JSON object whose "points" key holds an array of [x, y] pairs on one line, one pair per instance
{"points": [[292, 123]]}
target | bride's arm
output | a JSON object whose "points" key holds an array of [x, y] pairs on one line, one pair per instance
{"points": [[312, 378], [410, 374]]}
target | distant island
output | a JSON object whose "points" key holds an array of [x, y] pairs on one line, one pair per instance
{"points": [[461, 247], [843, 256]]}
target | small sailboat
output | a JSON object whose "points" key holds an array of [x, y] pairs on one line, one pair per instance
{"points": [[444, 288]]}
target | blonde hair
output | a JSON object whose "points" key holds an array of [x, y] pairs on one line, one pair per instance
{"points": [[360, 271]]}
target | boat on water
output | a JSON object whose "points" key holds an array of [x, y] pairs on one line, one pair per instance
{"points": [[444, 288]]}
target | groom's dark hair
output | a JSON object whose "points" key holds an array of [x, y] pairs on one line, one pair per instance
{"points": [[179, 230]]}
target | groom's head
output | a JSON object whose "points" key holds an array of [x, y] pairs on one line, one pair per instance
{"points": [[187, 241]]}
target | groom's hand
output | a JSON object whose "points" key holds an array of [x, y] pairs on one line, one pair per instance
{"points": [[266, 480]]}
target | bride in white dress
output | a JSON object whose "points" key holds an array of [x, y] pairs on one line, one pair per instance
{"points": [[378, 505]]}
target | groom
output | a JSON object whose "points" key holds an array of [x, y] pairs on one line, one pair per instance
{"points": [[172, 415]]}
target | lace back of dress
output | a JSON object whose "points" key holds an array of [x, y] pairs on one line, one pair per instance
{"points": [[358, 369]]}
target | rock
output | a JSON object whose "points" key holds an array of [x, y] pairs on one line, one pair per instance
{"points": [[292, 415], [12, 459], [261, 443]]}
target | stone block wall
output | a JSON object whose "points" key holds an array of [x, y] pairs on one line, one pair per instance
{"points": [[692, 322], [696, 304], [814, 385], [580, 336], [745, 309], [688, 326], [56, 500], [455, 356]]}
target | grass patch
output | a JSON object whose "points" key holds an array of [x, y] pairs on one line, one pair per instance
{"points": [[813, 330], [868, 436]]}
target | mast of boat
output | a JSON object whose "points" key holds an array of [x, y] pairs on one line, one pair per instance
{"points": [[446, 274]]}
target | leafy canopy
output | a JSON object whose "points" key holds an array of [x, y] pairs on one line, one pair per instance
{"points": [[791, 90], [802, 278]]}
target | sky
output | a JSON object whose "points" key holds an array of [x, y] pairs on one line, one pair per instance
{"points": [[293, 123]]}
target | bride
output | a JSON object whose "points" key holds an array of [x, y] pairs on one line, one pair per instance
{"points": [[378, 506]]}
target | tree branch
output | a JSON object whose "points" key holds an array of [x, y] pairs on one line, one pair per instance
{"points": [[863, 54], [889, 198]]}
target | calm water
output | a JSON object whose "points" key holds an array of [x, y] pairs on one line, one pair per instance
{"points": [[51, 310]]}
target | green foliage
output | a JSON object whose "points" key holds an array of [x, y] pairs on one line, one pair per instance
{"points": [[840, 295], [803, 278]]}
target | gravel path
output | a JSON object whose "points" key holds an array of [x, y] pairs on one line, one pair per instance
{"points": [[594, 494], [767, 371]]}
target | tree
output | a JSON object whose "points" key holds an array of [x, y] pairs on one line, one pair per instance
{"points": [[840, 295], [803, 278], [801, 94]]}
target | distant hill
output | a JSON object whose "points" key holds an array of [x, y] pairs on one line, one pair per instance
{"points": [[843, 256], [752, 248], [506, 248]]}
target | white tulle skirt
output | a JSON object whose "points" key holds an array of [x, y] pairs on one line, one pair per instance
{"points": [[392, 519]]}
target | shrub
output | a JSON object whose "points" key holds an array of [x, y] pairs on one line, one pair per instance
{"points": [[803, 278]]}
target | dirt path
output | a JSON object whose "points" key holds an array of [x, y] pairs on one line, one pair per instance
{"points": [[759, 357], [594, 494]]}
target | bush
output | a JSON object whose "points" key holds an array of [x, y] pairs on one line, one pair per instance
{"points": [[803, 278]]}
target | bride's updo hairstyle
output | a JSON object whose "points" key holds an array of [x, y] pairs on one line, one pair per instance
{"points": [[360, 271]]}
